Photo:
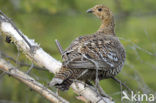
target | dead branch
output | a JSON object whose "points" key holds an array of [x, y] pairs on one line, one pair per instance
{"points": [[121, 83], [43, 59], [2, 74], [21, 64], [29, 81]]}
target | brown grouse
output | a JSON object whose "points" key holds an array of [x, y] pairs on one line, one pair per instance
{"points": [[93, 57]]}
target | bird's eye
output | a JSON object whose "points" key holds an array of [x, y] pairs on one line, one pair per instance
{"points": [[99, 9]]}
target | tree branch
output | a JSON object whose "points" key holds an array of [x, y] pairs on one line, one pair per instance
{"points": [[21, 64], [43, 59], [29, 81]]}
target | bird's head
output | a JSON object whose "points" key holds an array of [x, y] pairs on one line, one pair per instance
{"points": [[101, 12], [106, 16]]}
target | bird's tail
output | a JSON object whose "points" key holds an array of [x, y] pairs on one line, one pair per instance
{"points": [[64, 78]]}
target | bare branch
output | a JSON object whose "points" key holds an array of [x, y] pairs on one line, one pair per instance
{"points": [[6, 101], [123, 84], [29, 81], [39, 56], [21, 64], [30, 69], [43, 59], [18, 31], [2, 74], [59, 47]]}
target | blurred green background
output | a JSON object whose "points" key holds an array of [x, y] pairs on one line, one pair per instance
{"points": [[47, 20]]}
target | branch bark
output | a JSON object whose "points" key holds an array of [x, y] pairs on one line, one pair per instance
{"points": [[29, 81], [21, 64], [43, 59]]}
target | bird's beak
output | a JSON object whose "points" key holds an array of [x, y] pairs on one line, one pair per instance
{"points": [[89, 11]]}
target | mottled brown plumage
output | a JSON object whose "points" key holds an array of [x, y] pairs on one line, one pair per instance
{"points": [[101, 51]]}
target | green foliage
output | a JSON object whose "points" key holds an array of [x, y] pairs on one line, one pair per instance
{"points": [[35, 5], [47, 20]]}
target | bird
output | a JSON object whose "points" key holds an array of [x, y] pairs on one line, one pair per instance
{"points": [[92, 57]]}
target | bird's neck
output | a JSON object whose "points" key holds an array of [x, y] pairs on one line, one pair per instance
{"points": [[107, 27]]}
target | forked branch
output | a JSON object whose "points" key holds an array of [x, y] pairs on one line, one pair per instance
{"points": [[30, 82], [43, 59]]}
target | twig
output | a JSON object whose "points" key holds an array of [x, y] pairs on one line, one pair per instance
{"points": [[103, 93], [119, 81], [59, 47], [7, 101], [21, 64], [43, 59], [2, 74], [29, 81], [29, 70], [121, 91], [38, 56], [18, 55], [15, 28]]}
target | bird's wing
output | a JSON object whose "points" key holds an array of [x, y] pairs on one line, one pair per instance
{"points": [[84, 52]]}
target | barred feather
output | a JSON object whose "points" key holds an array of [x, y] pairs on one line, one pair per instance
{"points": [[101, 48]]}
